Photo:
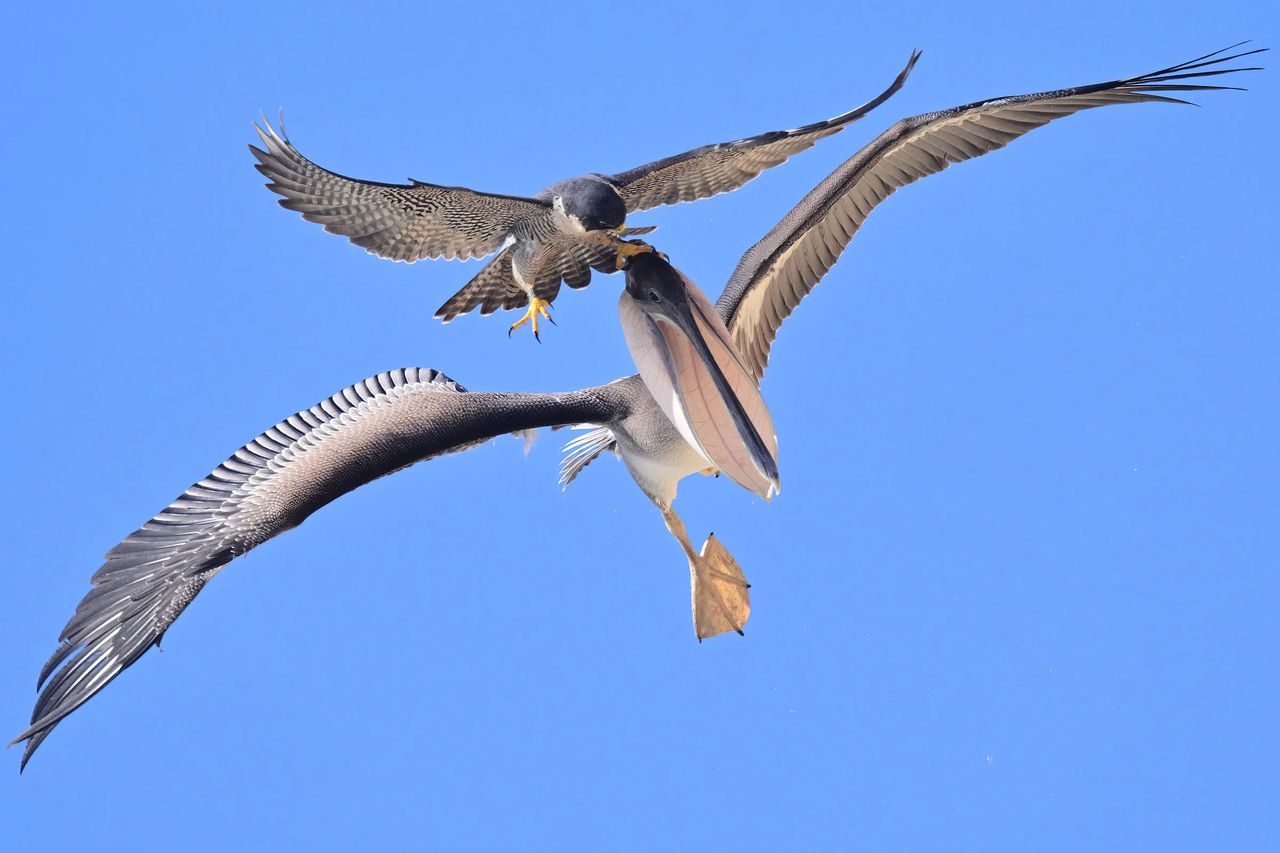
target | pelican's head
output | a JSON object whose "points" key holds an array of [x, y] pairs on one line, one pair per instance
{"points": [[691, 367]]}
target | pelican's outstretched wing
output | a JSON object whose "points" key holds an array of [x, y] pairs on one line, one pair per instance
{"points": [[270, 485], [402, 222], [724, 166], [776, 273]]}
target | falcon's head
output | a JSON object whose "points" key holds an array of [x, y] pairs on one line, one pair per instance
{"points": [[593, 205]]}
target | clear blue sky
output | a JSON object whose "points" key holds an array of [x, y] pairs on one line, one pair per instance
{"points": [[1019, 591]]}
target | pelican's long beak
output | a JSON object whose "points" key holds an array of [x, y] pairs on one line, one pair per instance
{"points": [[691, 367]]}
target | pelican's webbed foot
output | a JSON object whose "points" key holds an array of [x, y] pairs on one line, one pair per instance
{"points": [[537, 307], [721, 598], [721, 602]]}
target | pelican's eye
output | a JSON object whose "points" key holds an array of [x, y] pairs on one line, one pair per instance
{"points": [[654, 297]]}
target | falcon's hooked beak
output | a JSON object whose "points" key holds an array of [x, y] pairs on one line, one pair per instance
{"points": [[689, 364]]}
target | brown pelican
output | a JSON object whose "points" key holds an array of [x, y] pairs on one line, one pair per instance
{"points": [[691, 411], [562, 233]]}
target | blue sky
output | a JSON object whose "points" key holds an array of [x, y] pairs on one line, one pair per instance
{"points": [[1018, 591]]}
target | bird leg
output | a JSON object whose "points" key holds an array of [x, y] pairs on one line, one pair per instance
{"points": [[627, 248], [721, 602], [536, 307]]}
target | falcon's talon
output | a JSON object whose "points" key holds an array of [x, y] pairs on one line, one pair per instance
{"points": [[537, 307], [628, 248]]}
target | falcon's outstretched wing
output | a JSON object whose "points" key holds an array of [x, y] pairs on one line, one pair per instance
{"points": [[270, 485], [776, 273], [724, 166], [402, 222]]}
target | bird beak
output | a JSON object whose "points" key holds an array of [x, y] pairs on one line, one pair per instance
{"points": [[689, 364]]}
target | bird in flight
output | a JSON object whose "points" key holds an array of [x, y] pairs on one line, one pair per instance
{"points": [[560, 234], [689, 411]]}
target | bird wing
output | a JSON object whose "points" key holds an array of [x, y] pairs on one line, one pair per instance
{"points": [[494, 287], [402, 222], [579, 452], [776, 273], [555, 259], [572, 259], [270, 485], [593, 250], [724, 166], [569, 261]]}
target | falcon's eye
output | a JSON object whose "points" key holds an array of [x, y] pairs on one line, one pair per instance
{"points": [[654, 297]]}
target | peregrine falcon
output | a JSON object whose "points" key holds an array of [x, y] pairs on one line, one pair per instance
{"points": [[560, 234]]}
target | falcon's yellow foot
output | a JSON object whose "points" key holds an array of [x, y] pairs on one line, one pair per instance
{"points": [[536, 307], [627, 248]]}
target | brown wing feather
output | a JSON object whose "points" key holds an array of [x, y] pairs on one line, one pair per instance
{"points": [[778, 272], [725, 166], [401, 222], [270, 485]]}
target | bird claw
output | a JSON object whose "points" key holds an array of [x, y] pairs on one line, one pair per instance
{"points": [[537, 308], [627, 248]]}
